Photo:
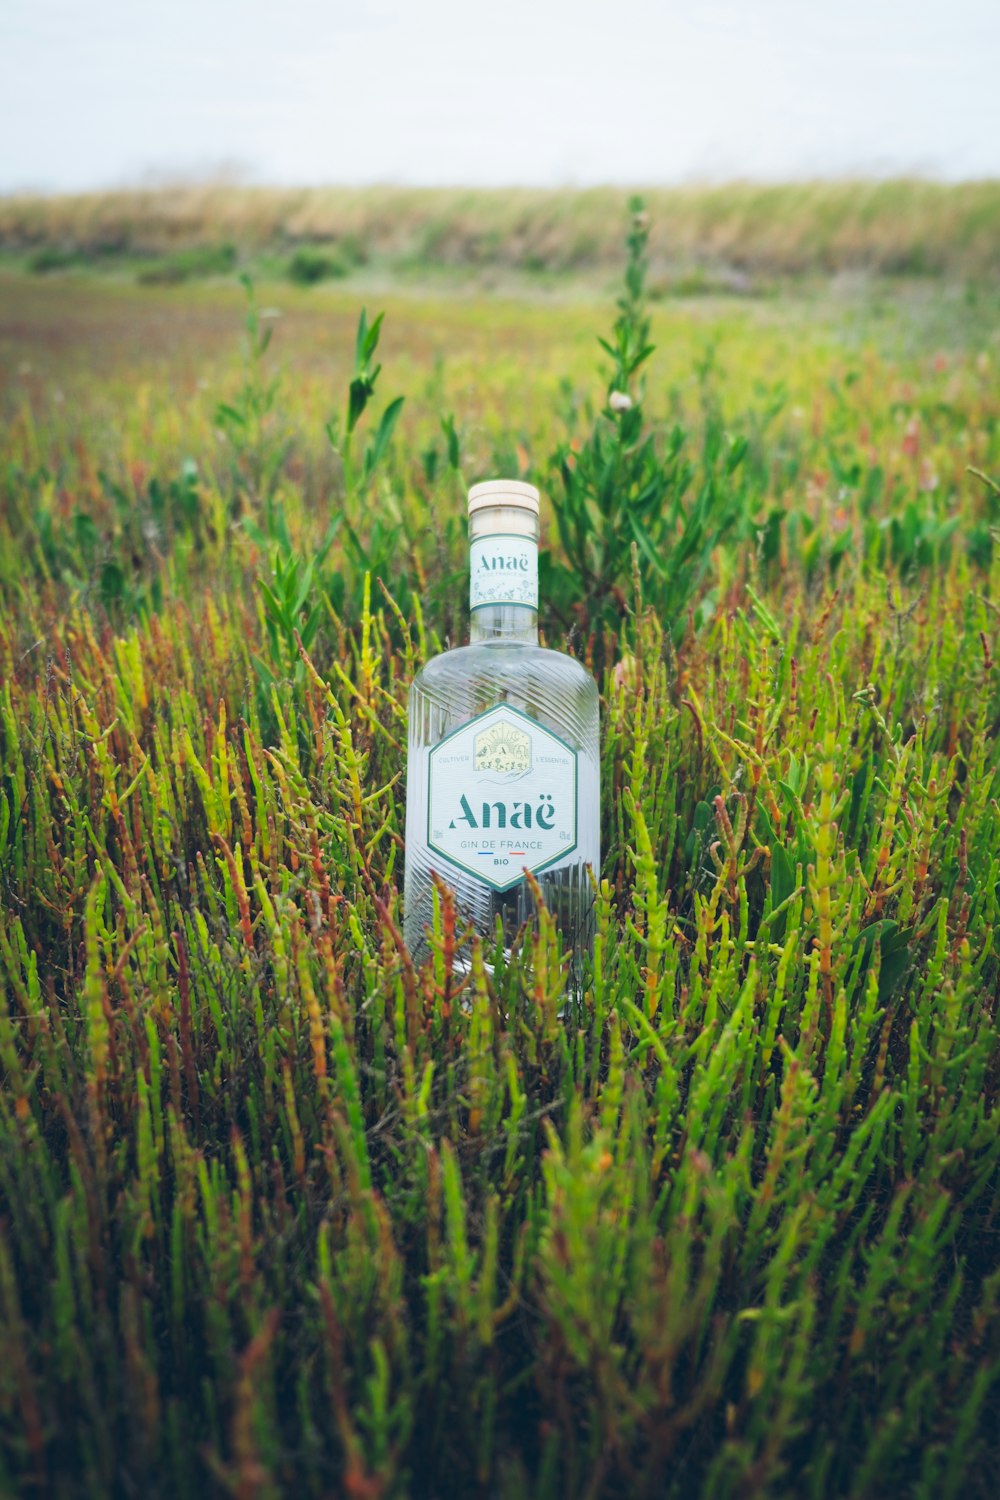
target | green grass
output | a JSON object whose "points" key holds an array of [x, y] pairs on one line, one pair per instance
{"points": [[280, 1213]]}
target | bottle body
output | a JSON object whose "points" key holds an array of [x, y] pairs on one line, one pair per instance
{"points": [[512, 805], [503, 765]]}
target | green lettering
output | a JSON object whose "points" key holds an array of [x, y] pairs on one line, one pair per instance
{"points": [[466, 815], [521, 816]]}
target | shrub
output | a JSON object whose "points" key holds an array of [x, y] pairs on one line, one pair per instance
{"points": [[310, 265], [54, 258], [188, 265]]}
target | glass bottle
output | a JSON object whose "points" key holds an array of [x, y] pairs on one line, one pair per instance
{"points": [[503, 760]]}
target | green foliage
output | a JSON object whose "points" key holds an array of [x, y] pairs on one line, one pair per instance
{"points": [[282, 1213], [628, 488], [300, 594], [309, 265], [189, 264], [96, 252], [293, 609], [54, 258], [375, 548], [251, 420]]}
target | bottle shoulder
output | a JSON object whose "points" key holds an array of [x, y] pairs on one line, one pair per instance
{"points": [[547, 686], [517, 658]]}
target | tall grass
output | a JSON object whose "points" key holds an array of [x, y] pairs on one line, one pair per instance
{"points": [[280, 1212], [906, 226]]}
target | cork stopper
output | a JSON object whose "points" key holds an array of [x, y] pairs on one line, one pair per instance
{"points": [[503, 492]]}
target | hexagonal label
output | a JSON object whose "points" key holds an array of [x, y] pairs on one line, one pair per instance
{"points": [[502, 797]]}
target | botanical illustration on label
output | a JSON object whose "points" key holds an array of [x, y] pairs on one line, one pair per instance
{"points": [[502, 747], [502, 795], [503, 570]]}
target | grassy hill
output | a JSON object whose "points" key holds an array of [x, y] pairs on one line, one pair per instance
{"points": [[736, 234]]}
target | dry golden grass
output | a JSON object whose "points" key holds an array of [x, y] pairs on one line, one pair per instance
{"points": [[903, 226]]}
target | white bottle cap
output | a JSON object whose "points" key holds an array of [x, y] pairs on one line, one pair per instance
{"points": [[503, 492]]}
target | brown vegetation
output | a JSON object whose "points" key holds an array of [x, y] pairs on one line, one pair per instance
{"points": [[894, 227]]}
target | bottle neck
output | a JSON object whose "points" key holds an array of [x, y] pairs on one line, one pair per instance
{"points": [[515, 623], [503, 564]]}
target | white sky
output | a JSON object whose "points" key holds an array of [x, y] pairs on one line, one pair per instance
{"points": [[103, 92]]}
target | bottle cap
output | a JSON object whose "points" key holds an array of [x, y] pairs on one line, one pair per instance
{"points": [[503, 492]]}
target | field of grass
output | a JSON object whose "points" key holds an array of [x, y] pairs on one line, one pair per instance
{"points": [[281, 1213], [736, 237]]}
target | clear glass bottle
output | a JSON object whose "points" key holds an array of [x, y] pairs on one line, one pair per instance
{"points": [[503, 764]]}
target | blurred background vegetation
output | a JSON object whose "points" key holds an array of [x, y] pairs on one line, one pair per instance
{"points": [[734, 238]]}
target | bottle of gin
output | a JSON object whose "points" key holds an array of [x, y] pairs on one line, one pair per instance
{"points": [[503, 762]]}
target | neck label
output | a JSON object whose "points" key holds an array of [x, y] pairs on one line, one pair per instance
{"points": [[503, 570]]}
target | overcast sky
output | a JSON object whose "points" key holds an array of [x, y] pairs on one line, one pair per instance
{"points": [[106, 92]]}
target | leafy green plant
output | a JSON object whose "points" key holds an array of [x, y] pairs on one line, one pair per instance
{"points": [[374, 546], [300, 592], [293, 611], [251, 419], [627, 486], [360, 392]]}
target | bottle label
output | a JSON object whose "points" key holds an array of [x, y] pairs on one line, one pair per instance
{"points": [[502, 797], [503, 570]]}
